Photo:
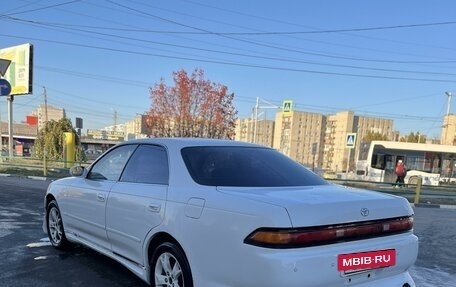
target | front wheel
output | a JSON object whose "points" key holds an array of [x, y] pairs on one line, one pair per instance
{"points": [[55, 229], [169, 267]]}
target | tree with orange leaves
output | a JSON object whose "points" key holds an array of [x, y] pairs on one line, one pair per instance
{"points": [[193, 107]]}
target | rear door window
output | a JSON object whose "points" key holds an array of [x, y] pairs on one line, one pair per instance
{"points": [[149, 164]]}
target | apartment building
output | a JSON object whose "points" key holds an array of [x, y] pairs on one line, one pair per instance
{"points": [[300, 135], [335, 152], [137, 128], [448, 135], [48, 113], [314, 139], [262, 133]]}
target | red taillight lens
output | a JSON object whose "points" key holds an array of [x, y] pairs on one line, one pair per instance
{"points": [[320, 235]]}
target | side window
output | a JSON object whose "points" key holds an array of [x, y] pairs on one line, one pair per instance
{"points": [[110, 166], [149, 164]]}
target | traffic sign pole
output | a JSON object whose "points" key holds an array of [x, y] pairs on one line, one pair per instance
{"points": [[10, 126], [5, 90], [348, 163]]}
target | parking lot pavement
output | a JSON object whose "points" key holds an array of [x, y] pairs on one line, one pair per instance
{"points": [[436, 264], [27, 259]]}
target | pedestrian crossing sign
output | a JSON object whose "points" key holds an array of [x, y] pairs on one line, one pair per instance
{"points": [[351, 140], [287, 107]]}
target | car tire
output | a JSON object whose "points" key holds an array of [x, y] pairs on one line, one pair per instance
{"points": [[413, 180], [55, 230], [169, 267]]}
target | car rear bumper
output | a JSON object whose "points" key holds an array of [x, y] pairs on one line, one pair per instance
{"points": [[317, 266]]}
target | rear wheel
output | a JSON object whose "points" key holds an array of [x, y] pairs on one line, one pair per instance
{"points": [[413, 180], [55, 229], [169, 267]]}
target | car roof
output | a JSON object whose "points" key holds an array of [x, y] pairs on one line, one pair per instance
{"points": [[189, 142]]}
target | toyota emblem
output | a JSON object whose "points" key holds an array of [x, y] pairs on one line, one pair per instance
{"points": [[364, 211]]}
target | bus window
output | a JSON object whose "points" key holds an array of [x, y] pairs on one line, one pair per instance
{"points": [[378, 161]]}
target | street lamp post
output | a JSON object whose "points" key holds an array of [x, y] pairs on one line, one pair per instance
{"points": [[255, 119]]}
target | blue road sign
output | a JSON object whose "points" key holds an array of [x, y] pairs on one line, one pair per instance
{"points": [[351, 140], [5, 87]]}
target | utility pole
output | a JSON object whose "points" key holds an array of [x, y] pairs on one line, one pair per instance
{"points": [[255, 119], [115, 121], [45, 106], [447, 117], [449, 102], [44, 125]]}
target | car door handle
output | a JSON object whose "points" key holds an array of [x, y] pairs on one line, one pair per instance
{"points": [[154, 207], [100, 197]]}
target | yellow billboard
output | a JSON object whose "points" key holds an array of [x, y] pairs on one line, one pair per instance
{"points": [[20, 71]]}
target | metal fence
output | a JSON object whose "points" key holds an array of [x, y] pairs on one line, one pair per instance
{"points": [[29, 166]]}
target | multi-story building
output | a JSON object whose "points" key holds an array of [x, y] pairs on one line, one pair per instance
{"points": [[136, 128], [23, 134], [338, 126], [48, 113], [260, 133], [300, 135], [315, 139], [448, 136], [335, 154]]}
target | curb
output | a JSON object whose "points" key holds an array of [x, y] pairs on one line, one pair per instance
{"points": [[426, 205], [30, 176], [37, 177]]}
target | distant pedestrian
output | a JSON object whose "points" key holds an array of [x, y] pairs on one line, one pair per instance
{"points": [[400, 173]]}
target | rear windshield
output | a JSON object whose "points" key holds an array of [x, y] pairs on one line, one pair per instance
{"points": [[245, 166]]}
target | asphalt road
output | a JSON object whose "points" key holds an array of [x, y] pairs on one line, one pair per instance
{"points": [[27, 259]]}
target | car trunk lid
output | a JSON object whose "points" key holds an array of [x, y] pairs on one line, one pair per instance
{"points": [[327, 204]]}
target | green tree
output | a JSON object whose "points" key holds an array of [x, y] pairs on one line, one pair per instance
{"points": [[50, 139], [413, 138], [375, 136]]}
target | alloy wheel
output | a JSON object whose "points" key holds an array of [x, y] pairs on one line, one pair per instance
{"points": [[168, 272], [55, 225]]}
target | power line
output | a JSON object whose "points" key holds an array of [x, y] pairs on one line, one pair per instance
{"points": [[230, 63], [252, 100], [256, 43], [279, 59], [242, 33], [306, 26], [238, 39], [110, 79], [300, 38], [276, 58], [414, 44], [74, 27], [92, 100], [44, 8], [22, 6]]}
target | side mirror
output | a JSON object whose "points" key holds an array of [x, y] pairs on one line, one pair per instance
{"points": [[77, 170]]}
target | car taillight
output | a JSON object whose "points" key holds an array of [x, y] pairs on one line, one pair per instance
{"points": [[321, 235]]}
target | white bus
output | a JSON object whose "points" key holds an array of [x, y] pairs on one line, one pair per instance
{"points": [[434, 164]]}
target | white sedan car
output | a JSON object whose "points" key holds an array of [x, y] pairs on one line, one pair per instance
{"points": [[213, 213]]}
